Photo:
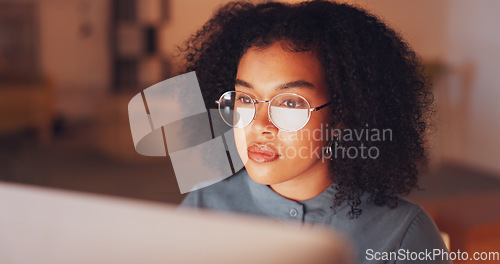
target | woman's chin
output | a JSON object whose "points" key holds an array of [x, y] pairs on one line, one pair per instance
{"points": [[263, 175], [262, 180]]}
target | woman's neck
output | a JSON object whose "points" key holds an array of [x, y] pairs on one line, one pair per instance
{"points": [[310, 184]]}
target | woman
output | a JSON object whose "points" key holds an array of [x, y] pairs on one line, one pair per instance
{"points": [[328, 109]]}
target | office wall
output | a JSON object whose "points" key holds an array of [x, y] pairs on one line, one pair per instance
{"points": [[79, 62], [186, 16], [74, 53], [474, 56], [460, 35]]}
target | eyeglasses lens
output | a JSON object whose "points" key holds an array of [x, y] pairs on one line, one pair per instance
{"points": [[288, 112], [236, 109]]}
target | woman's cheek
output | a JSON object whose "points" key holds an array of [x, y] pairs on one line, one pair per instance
{"points": [[241, 144]]}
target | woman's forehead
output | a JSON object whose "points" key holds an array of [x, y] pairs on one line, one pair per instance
{"points": [[272, 70], [273, 62]]}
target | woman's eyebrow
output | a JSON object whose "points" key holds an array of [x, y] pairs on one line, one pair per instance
{"points": [[295, 84], [242, 83]]}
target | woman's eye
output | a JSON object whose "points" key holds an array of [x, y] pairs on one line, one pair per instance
{"points": [[244, 100], [291, 103]]}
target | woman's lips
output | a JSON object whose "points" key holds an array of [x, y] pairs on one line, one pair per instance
{"points": [[262, 153]]}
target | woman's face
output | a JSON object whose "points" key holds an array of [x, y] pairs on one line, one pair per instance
{"points": [[290, 162]]}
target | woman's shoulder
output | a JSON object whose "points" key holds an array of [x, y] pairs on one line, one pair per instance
{"points": [[422, 232], [223, 195], [403, 211], [405, 227], [400, 220]]}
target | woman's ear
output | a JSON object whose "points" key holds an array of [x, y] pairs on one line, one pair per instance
{"points": [[338, 126]]}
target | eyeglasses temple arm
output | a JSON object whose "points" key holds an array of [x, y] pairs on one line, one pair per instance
{"points": [[321, 107]]}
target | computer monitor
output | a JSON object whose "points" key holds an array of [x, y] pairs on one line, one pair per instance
{"points": [[42, 225]]}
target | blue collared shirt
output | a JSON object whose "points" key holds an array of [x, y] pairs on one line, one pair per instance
{"points": [[378, 229]]}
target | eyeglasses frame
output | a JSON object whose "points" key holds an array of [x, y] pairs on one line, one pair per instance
{"points": [[256, 101]]}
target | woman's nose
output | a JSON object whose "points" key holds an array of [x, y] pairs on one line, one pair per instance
{"points": [[262, 122]]}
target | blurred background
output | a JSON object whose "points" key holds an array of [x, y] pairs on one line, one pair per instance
{"points": [[69, 67]]}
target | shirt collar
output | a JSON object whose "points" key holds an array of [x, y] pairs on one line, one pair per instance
{"points": [[281, 207]]}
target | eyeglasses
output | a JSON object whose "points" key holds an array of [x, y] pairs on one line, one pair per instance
{"points": [[287, 111]]}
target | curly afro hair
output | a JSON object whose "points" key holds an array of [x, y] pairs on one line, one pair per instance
{"points": [[374, 81]]}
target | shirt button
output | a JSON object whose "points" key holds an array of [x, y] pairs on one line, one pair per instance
{"points": [[293, 212]]}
